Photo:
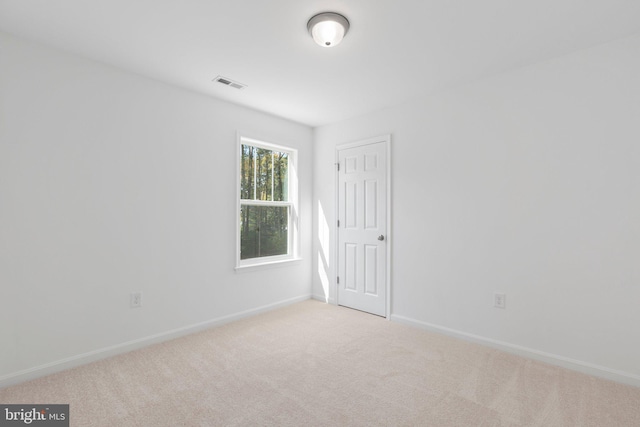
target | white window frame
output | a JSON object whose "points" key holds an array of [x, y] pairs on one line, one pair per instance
{"points": [[292, 204]]}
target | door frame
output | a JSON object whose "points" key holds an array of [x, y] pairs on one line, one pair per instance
{"points": [[386, 140]]}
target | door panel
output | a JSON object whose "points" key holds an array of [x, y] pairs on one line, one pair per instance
{"points": [[351, 273], [362, 210], [351, 204], [370, 269], [371, 204]]}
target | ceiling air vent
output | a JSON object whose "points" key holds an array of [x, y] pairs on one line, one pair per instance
{"points": [[229, 82]]}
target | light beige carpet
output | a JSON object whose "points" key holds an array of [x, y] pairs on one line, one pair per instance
{"points": [[313, 364]]}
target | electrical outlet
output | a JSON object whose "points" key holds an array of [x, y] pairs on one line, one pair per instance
{"points": [[136, 299], [499, 300]]}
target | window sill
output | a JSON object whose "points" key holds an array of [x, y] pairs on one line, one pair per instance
{"points": [[268, 264]]}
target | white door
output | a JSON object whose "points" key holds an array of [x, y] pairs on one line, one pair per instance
{"points": [[362, 227]]}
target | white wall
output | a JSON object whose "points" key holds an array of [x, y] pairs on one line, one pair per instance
{"points": [[527, 183], [111, 183]]}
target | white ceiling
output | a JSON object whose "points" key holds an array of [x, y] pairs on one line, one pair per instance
{"points": [[394, 51]]}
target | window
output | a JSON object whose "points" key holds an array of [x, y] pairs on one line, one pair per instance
{"points": [[267, 202]]}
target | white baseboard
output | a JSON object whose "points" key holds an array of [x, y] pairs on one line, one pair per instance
{"points": [[91, 356], [553, 359], [323, 298]]}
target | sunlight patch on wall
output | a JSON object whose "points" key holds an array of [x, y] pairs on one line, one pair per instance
{"points": [[323, 254]]}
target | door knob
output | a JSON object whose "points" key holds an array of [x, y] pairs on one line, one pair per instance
{"points": [[381, 237]]}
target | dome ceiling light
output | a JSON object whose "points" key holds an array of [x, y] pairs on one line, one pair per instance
{"points": [[328, 28]]}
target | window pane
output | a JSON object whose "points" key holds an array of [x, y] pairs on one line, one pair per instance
{"points": [[264, 174], [263, 231], [264, 171], [247, 164], [281, 176]]}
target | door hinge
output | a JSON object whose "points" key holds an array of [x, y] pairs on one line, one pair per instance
{"points": [[338, 280], [338, 223], [338, 166]]}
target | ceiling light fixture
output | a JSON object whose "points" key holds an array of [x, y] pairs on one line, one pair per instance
{"points": [[328, 28]]}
